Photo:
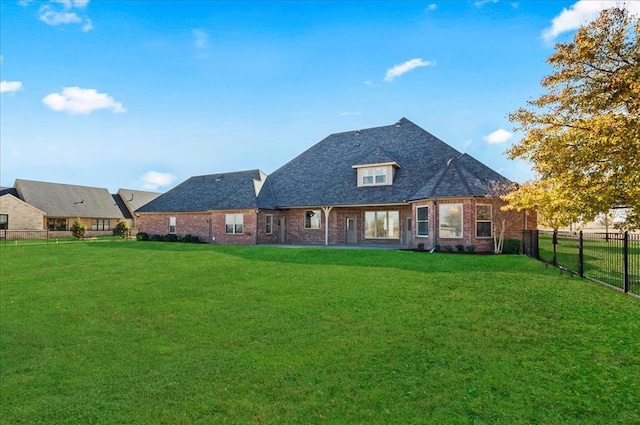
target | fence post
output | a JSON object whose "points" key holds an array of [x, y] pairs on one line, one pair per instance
{"points": [[555, 248], [580, 255], [625, 261]]}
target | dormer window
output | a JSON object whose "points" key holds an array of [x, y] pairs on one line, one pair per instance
{"points": [[375, 176]]}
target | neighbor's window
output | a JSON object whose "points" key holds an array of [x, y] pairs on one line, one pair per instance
{"points": [[100, 224], [268, 220], [233, 224], [382, 224], [422, 214], [172, 225], [483, 221], [450, 220], [57, 224], [4, 221], [312, 219]]}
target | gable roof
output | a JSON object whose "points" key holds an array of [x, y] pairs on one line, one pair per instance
{"points": [[225, 191], [324, 174], [66, 200], [130, 200], [7, 197]]}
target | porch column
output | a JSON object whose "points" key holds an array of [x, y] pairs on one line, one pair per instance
{"points": [[326, 210]]}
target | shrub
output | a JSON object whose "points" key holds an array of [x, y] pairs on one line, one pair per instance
{"points": [[78, 229], [420, 246], [157, 238], [142, 236], [470, 249], [187, 238], [460, 248], [448, 248], [171, 237], [511, 246], [194, 239], [122, 229], [436, 247]]}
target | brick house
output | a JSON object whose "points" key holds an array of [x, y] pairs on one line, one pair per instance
{"points": [[393, 185], [54, 206]]}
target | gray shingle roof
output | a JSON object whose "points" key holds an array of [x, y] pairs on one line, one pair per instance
{"points": [[225, 191], [66, 200], [131, 200], [323, 175]]}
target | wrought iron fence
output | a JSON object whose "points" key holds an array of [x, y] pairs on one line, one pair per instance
{"points": [[19, 237], [609, 258]]}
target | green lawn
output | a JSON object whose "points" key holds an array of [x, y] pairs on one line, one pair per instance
{"points": [[168, 333]]}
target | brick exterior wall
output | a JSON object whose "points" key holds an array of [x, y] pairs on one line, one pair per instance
{"points": [[22, 216], [517, 221], [207, 226]]}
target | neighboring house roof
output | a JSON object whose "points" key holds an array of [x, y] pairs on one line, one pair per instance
{"points": [[9, 191], [225, 191], [427, 167], [8, 196], [65, 200], [130, 200]]}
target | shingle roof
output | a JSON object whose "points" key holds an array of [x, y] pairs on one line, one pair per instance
{"points": [[65, 200], [225, 191], [130, 200], [323, 175]]}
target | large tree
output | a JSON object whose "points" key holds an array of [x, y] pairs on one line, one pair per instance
{"points": [[583, 134]]}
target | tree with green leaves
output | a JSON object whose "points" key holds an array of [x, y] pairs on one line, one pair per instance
{"points": [[583, 134], [78, 228]]}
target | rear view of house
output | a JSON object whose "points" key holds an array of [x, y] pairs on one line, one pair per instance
{"points": [[394, 185]]}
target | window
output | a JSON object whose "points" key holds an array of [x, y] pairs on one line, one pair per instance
{"points": [[382, 224], [172, 225], [100, 224], [268, 227], [233, 224], [450, 220], [57, 224], [423, 221], [483, 221], [4, 221], [312, 219], [374, 176]]}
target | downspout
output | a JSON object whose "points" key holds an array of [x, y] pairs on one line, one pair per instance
{"points": [[326, 210], [435, 222]]}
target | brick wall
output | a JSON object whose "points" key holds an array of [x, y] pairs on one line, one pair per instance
{"points": [[22, 216]]}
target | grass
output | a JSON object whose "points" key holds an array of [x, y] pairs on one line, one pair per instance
{"points": [[163, 333], [603, 259]]}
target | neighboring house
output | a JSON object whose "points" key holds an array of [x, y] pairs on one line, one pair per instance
{"points": [[130, 200], [63, 203], [392, 185], [15, 214], [221, 208]]}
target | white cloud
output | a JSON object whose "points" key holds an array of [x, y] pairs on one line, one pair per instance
{"points": [[154, 180], [403, 68], [432, 6], [52, 17], [581, 13], [68, 4], [88, 25], [499, 136], [10, 86], [76, 100], [201, 39], [481, 3], [350, 114]]}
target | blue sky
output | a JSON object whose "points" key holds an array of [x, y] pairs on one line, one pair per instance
{"points": [[143, 95]]}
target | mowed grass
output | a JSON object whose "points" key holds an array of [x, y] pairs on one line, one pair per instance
{"points": [[162, 333]]}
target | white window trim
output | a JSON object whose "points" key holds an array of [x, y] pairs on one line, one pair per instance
{"points": [[172, 225], [315, 213], [418, 221], [232, 220], [376, 219], [268, 224], [440, 221], [490, 221]]}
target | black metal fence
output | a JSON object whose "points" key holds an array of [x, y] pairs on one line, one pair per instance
{"points": [[35, 237], [612, 259]]}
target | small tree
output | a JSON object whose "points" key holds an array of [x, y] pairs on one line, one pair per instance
{"points": [[495, 190], [122, 229], [78, 228]]}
